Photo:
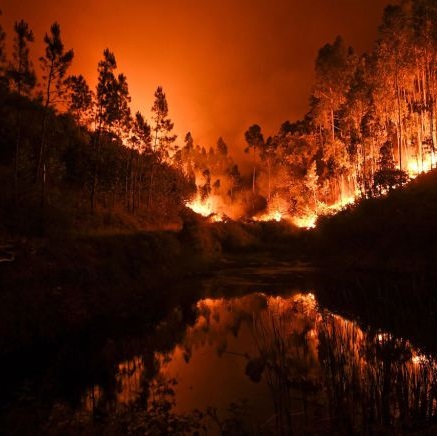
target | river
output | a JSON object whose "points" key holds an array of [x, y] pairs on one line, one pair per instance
{"points": [[262, 351]]}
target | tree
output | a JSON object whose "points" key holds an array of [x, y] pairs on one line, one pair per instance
{"points": [[121, 110], [80, 101], [391, 55], [186, 156], [163, 139], [255, 141], [22, 79], [2, 51], [222, 148], [388, 177], [334, 71], [233, 173], [105, 95], [113, 115], [54, 66], [268, 156], [143, 134], [141, 142], [424, 53], [20, 72]]}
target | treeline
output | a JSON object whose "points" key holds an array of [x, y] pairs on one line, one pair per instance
{"points": [[371, 123], [66, 146]]}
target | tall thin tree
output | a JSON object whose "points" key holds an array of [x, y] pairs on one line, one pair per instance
{"points": [[163, 140], [2, 52], [22, 80], [255, 142], [54, 65]]}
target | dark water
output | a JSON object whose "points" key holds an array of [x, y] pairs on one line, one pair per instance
{"points": [[256, 363]]}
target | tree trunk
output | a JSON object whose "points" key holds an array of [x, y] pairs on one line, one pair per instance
{"points": [[17, 156], [41, 157], [398, 99], [269, 171], [149, 197]]}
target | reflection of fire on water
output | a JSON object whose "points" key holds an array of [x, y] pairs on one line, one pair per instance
{"points": [[288, 344]]}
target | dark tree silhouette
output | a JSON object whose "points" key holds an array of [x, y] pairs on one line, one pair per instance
{"points": [[54, 66], [22, 80], [255, 141]]}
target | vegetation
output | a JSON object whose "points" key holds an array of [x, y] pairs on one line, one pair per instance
{"points": [[64, 147]]}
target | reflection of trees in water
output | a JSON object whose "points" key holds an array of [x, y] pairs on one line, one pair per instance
{"points": [[374, 381], [370, 381], [130, 395], [324, 373], [286, 341]]}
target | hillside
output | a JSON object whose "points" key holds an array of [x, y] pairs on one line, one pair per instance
{"points": [[395, 232]]}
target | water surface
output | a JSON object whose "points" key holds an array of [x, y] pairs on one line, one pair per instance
{"points": [[258, 363]]}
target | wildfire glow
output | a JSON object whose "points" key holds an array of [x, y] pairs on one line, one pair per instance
{"points": [[216, 208], [272, 216], [416, 166], [207, 208], [306, 222], [277, 327]]}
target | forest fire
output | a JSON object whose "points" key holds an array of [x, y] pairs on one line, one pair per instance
{"points": [[205, 208], [416, 166], [343, 149], [275, 215]]}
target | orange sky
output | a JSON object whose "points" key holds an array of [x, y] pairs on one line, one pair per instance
{"points": [[224, 64]]}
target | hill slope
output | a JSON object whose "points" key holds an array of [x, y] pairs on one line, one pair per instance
{"points": [[398, 231]]}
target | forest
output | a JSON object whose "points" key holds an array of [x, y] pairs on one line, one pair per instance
{"points": [[72, 156]]}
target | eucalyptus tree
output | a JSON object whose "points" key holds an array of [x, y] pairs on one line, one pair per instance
{"points": [[186, 156], [424, 53], [335, 66], [392, 60], [234, 176], [268, 155], [22, 80], [255, 142], [355, 112], [54, 64]]}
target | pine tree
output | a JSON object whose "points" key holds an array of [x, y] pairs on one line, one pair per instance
{"points": [[163, 139], [22, 78], [2, 55], [80, 101], [54, 65], [113, 115]]}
